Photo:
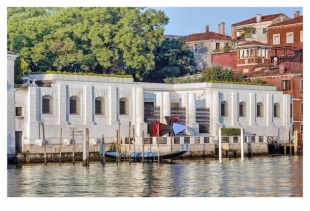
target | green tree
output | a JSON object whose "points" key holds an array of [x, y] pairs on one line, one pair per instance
{"points": [[173, 58], [106, 40]]}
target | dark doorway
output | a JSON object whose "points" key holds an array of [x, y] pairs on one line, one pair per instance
{"points": [[18, 141]]}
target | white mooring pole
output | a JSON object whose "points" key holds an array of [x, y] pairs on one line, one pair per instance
{"points": [[220, 144], [84, 148], [242, 154]]}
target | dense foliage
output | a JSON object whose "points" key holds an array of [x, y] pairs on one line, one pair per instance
{"points": [[104, 40], [173, 58], [217, 75]]}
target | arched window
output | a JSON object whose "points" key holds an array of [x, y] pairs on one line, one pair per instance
{"points": [[99, 106], [224, 108], [260, 110], [276, 110], [123, 106], [74, 105], [47, 104], [242, 109]]}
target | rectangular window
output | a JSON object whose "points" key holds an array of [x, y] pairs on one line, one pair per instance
{"points": [[206, 140], [276, 110], [195, 48], [73, 106], [242, 109], [301, 85], [18, 111], [217, 46], [264, 30], [224, 109], [301, 36], [46, 106], [291, 110], [301, 128], [289, 37], [227, 44], [301, 108], [276, 39], [260, 110], [122, 107], [253, 31], [285, 85], [97, 107]]}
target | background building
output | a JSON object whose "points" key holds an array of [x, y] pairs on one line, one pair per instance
{"points": [[204, 44]]}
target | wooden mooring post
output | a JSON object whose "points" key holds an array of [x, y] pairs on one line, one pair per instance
{"points": [[43, 133], [116, 147], [87, 144], [73, 146], [158, 143], [129, 150], [103, 152], [134, 141], [220, 144], [242, 153], [60, 145], [142, 146]]}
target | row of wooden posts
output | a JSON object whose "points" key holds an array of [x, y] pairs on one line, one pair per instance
{"points": [[86, 145]]}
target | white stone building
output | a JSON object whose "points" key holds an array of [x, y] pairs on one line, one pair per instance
{"points": [[74, 102], [10, 103]]}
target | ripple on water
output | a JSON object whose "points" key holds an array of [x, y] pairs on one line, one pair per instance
{"points": [[253, 177]]}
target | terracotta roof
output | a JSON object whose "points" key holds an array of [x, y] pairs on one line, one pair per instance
{"points": [[253, 43], [298, 19], [206, 36], [290, 68], [10, 52], [253, 20]]}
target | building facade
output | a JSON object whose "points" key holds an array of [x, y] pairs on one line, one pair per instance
{"points": [[10, 103], [252, 55], [255, 28], [288, 79], [225, 59], [286, 39], [204, 44], [104, 105]]}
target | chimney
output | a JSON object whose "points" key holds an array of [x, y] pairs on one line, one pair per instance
{"points": [[207, 28], [258, 18], [297, 14], [281, 68], [221, 28]]}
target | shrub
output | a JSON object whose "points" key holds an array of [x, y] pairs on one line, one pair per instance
{"points": [[231, 132]]}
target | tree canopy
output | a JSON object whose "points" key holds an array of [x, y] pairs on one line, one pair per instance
{"points": [[88, 39], [173, 58]]}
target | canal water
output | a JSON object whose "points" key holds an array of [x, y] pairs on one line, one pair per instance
{"points": [[280, 176]]}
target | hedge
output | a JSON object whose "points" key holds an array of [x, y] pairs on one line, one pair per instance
{"points": [[231, 132], [82, 73]]}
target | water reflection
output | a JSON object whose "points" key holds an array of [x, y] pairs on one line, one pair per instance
{"points": [[252, 177]]}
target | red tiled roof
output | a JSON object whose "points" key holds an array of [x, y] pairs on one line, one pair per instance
{"points": [[253, 20], [298, 19], [10, 52], [206, 36], [253, 43], [290, 68]]}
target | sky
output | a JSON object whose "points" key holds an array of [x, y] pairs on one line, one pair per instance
{"points": [[190, 20]]}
